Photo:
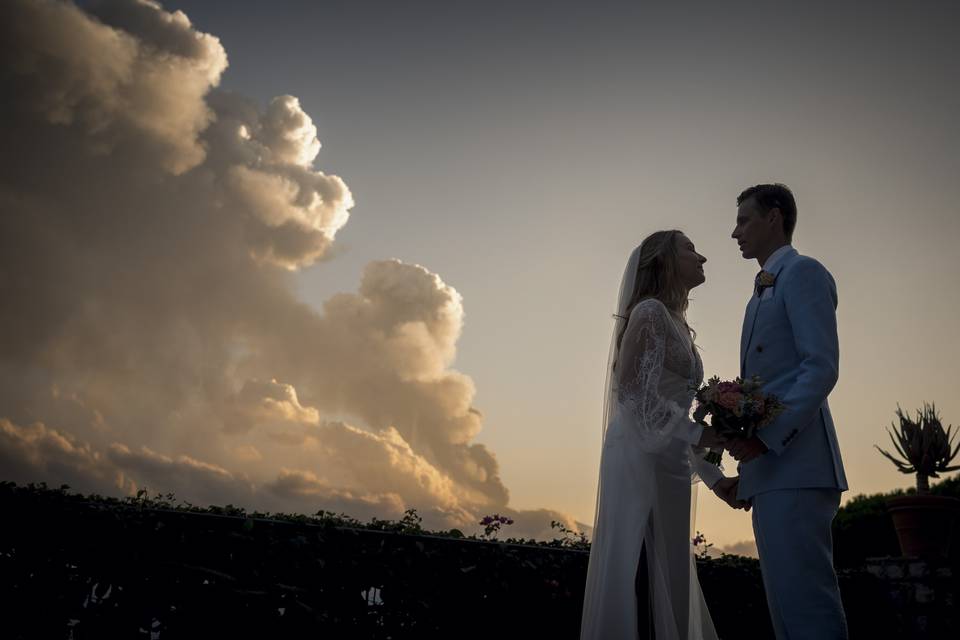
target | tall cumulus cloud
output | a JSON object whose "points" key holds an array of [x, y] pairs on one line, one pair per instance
{"points": [[149, 226]]}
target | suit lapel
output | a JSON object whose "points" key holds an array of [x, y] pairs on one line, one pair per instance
{"points": [[749, 320], [753, 308]]}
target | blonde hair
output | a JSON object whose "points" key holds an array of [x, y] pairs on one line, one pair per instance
{"points": [[658, 277]]}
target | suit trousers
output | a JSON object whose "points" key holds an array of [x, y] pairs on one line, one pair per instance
{"points": [[792, 529]]}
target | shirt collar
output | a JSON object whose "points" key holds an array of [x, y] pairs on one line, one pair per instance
{"points": [[776, 257]]}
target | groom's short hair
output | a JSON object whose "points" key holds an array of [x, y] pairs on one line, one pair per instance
{"points": [[771, 196]]}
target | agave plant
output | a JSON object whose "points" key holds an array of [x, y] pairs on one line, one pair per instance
{"points": [[923, 445]]}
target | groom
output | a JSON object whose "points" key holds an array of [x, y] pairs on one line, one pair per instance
{"points": [[791, 472]]}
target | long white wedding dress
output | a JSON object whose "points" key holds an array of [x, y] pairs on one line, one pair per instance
{"points": [[645, 498]]}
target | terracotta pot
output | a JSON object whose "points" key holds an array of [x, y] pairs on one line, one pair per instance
{"points": [[925, 524]]}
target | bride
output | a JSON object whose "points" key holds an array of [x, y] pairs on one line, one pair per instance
{"points": [[641, 551]]}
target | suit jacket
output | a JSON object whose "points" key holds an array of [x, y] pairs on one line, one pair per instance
{"points": [[790, 341]]}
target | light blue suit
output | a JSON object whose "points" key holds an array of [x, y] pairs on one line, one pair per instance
{"points": [[790, 341]]}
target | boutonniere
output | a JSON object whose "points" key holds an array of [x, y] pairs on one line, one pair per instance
{"points": [[765, 280]]}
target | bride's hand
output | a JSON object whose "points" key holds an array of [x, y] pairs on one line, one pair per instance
{"points": [[710, 439]]}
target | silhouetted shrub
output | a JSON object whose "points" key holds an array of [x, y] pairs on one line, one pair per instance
{"points": [[97, 567]]}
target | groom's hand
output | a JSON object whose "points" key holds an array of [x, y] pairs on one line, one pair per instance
{"points": [[746, 449], [726, 490]]}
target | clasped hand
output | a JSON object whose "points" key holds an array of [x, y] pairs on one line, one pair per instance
{"points": [[710, 439], [741, 449], [745, 449], [726, 490]]}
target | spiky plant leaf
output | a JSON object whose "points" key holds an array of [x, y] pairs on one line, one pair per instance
{"points": [[904, 468], [898, 447]]}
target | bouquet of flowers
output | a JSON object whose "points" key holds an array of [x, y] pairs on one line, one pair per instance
{"points": [[737, 409]]}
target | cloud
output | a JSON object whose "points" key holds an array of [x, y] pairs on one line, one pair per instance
{"points": [[137, 94], [247, 453], [270, 404], [743, 548], [297, 486], [35, 453], [185, 476], [384, 462], [288, 133], [149, 224]]}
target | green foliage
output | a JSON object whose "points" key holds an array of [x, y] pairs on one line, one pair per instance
{"points": [[223, 572], [863, 527], [119, 565], [570, 539]]}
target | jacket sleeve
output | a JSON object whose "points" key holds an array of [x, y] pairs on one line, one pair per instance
{"points": [[810, 297]]}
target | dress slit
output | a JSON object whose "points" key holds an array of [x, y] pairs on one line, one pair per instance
{"points": [[645, 626]]}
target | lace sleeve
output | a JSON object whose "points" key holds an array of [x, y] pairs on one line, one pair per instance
{"points": [[639, 368], [703, 470]]}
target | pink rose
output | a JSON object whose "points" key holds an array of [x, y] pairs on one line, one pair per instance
{"points": [[730, 400], [728, 387]]}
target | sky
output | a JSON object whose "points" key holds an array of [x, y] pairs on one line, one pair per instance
{"points": [[417, 312]]}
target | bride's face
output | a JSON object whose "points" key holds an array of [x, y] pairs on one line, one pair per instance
{"points": [[689, 263]]}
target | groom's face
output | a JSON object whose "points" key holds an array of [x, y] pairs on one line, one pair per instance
{"points": [[754, 231]]}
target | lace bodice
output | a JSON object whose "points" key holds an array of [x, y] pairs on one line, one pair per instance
{"points": [[657, 373]]}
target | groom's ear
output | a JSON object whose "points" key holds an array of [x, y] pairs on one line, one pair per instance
{"points": [[775, 216]]}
